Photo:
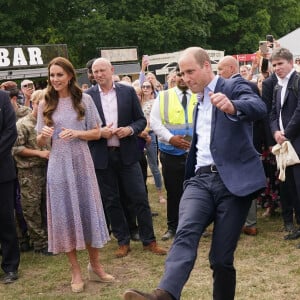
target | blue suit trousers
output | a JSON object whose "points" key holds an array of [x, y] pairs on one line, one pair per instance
{"points": [[206, 200]]}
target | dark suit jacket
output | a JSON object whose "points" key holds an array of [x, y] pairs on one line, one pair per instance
{"points": [[8, 136], [231, 145], [290, 114], [267, 96], [129, 114], [259, 135]]}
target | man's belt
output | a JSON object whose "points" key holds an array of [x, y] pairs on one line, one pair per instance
{"points": [[207, 169]]}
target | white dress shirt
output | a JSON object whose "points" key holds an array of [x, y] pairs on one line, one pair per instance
{"points": [[110, 110], [283, 83], [203, 127]]}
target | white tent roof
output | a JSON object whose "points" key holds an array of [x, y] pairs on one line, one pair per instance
{"points": [[291, 42]]}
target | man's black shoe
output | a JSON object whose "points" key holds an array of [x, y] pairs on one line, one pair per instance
{"points": [[43, 251], [168, 235], [25, 247], [293, 235], [289, 227], [10, 277]]}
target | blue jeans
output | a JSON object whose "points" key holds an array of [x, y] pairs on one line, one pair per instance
{"points": [[205, 200], [153, 161]]}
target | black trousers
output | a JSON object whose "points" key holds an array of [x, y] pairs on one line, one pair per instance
{"points": [[173, 169], [128, 207], [8, 235], [290, 198], [131, 179]]}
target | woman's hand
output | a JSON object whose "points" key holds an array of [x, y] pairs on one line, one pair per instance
{"points": [[68, 134], [47, 132]]}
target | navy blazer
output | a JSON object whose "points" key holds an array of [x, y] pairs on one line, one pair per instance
{"points": [[290, 114], [231, 145], [129, 114], [8, 136]]}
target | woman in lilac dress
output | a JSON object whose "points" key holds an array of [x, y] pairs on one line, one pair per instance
{"points": [[75, 215]]}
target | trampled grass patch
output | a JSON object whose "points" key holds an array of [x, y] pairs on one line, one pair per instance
{"points": [[267, 268]]}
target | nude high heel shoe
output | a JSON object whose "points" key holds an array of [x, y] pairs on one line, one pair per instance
{"points": [[107, 278], [77, 287]]}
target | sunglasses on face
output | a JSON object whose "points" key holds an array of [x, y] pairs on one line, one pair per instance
{"points": [[28, 85], [146, 86]]}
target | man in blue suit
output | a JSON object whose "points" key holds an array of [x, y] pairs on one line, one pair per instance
{"points": [[8, 235], [116, 157], [223, 174]]}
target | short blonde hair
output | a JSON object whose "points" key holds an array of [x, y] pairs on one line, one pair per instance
{"points": [[37, 96]]}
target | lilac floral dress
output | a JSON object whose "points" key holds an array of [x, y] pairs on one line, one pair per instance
{"points": [[74, 207]]}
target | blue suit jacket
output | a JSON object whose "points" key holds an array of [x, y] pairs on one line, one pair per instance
{"points": [[129, 114], [8, 135], [231, 145]]}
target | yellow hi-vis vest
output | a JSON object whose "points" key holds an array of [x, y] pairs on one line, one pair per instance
{"points": [[174, 118]]}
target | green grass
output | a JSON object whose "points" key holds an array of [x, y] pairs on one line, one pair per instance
{"points": [[267, 268]]}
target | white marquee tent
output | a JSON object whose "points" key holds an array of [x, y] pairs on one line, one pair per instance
{"points": [[291, 41]]}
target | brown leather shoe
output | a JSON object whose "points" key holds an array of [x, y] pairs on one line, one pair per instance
{"points": [[122, 251], [155, 295], [153, 247], [250, 230]]}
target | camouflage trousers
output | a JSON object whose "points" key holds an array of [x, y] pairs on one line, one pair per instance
{"points": [[33, 185]]}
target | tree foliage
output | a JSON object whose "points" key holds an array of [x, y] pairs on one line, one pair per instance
{"points": [[239, 25], [153, 26]]}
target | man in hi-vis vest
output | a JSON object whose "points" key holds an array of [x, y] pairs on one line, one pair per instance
{"points": [[171, 120]]}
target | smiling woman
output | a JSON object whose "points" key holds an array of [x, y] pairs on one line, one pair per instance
{"points": [[75, 214]]}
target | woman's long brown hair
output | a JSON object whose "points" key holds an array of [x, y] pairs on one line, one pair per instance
{"points": [[51, 95]]}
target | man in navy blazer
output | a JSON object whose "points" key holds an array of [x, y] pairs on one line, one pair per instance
{"points": [[285, 125], [223, 174], [116, 157], [8, 235]]}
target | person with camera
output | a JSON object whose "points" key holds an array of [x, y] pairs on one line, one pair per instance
{"points": [[27, 88]]}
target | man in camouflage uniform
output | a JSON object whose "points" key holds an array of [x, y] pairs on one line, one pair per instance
{"points": [[31, 162]]}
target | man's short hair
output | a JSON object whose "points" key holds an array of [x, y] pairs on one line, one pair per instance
{"points": [[282, 53], [90, 63], [14, 92]]}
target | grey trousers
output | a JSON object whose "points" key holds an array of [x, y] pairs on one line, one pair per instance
{"points": [[251, 217]]}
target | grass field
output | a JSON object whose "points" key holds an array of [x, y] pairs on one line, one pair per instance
{"points": [[268, 268]]}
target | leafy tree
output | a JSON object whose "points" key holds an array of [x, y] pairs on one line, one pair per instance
{"points": [[153, 26], [237, 26]]}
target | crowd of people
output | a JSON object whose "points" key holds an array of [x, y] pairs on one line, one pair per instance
{"points": [[76, 161]]}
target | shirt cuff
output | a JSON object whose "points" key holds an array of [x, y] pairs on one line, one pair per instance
{"points": [[132, 131]]}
